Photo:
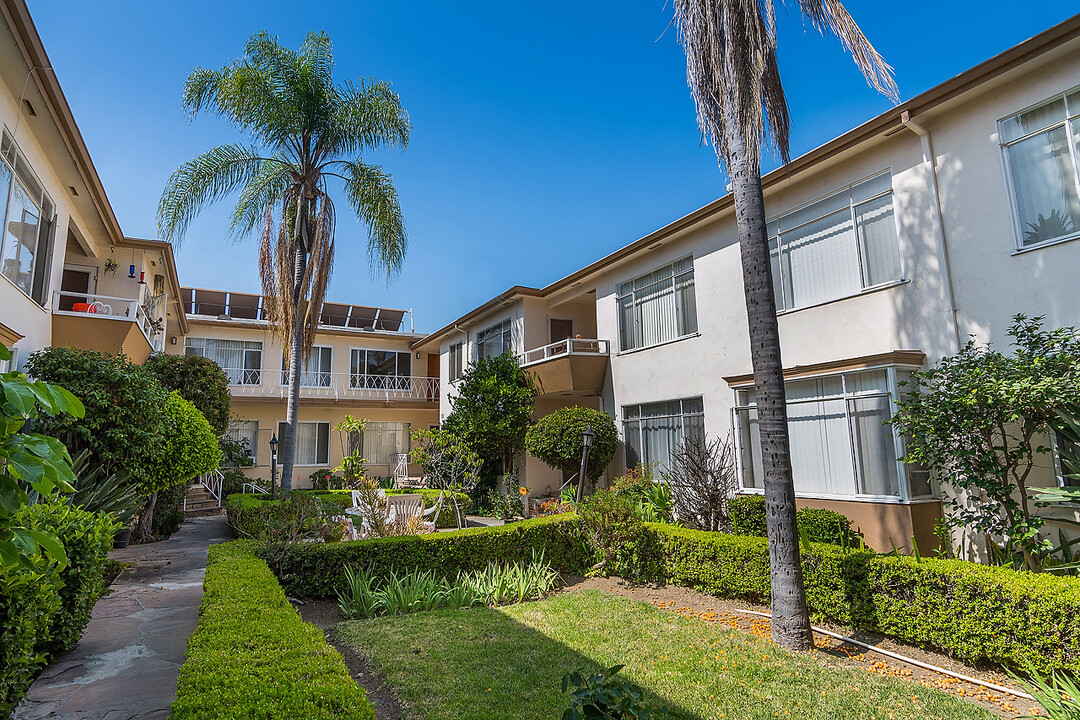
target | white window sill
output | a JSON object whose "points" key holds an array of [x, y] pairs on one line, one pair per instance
{"points": [[631, 351], [867, 291], [1047, 243], [879, 499]]}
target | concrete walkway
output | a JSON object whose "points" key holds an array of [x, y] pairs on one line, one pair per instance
{"points": [[127, 663]]}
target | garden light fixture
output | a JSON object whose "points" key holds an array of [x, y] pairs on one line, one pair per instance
{"points": [[586, 443], [273, 462]]}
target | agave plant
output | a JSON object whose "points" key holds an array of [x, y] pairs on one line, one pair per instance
{"points": [[114, 494]]}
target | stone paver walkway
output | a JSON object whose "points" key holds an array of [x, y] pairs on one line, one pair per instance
{"points": [[127, 663]]}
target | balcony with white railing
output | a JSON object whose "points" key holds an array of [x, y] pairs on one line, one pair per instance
{"points": [[574, 366], [105, 323], [335, 386]]}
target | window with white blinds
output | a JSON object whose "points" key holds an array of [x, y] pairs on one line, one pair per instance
{"points": [[842, 444], [381, 442], [315, 372], [312, 442], [246, 432], [658, 307], [652, 432], [241, 360], [836, 247], [1042, 156]]}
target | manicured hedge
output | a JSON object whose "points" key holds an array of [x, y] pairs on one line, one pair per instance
{"points": [[316, 569], [973, 612], [251, 655], [45, 608], [824, 526]]}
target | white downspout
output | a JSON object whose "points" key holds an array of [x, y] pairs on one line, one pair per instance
{"points": [[936, 216]]}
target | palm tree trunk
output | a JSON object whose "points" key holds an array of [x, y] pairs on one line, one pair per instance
{"points": [[288, 442], [791, 620]]}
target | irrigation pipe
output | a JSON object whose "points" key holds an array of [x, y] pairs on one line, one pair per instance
{"points": [[910, 661]]}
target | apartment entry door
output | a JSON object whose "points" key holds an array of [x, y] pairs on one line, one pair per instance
{"points": [[432, 372], [76, 279]]}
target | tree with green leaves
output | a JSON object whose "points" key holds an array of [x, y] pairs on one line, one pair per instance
{"points": [[448, 464], [734, 78], [979, 419], [29, 461], [492, 411], [309, 134], [557, 439], [200, 381]]}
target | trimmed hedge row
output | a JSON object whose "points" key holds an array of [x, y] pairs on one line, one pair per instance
{"points": [[317, 569], [251, 655], [824, 526], [44, 609], [242, 510], [973, 612]]}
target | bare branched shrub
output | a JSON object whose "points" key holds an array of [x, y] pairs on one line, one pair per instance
{"points": [[702, 478]]}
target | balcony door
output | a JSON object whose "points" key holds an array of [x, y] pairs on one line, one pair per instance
{"points": [[559, 329], [76, 279]]}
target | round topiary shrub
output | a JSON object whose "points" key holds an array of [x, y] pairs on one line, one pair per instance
{"points": [[556, 439], [200, 381]]}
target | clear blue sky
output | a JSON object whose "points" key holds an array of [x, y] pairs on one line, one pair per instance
{"points": [[545, 135]]}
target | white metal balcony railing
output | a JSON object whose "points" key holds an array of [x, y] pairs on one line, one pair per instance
{"points": [[569, 346], [79, 304], [338, 386]]}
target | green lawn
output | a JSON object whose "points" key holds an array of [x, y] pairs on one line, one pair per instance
{"points": [[507, 663]]}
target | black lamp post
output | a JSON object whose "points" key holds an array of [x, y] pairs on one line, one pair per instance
{"points": [[586, 443], [273, 463]]}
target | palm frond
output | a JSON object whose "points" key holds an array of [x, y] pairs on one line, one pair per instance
{"points": [[262, 191], [831, 15], [201, 181], [367, 116], [371, 194]]}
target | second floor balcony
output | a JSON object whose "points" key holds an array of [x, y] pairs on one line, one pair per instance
{"points": [[573, 366], [106, 324], [257, 383]]}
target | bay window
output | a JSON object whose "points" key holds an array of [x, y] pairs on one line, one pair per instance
{"points": [[240, 359], [653, 431], [28, 217], [842, 444], [312, 442], [1041, 157], [495, 340], [836, 247], [657, 307]]}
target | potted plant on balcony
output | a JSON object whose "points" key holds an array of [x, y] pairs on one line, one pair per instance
{"points": [[111, 266]]}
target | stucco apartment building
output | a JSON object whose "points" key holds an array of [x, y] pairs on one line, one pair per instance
{"points": [[892, 244]]}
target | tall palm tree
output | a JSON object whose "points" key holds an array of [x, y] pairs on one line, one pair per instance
{"points": [[312, 133], [735, 82]]}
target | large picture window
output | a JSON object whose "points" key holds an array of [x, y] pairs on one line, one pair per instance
{"points": [[836, 247], [312, 442], [842, 444], [658, 307], [495, 340], [653, 431], [316, 371], [28, 217], [382, 442], [380, 369], [1041, 152], [240, 359]]}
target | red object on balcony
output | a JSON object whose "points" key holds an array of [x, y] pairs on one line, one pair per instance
{"points": [[84, 307]]}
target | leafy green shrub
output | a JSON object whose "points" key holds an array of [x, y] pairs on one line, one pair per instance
{"points": [[169, 511], [316, 569], [29, 600], [233, 479], [973, 612], [200, 381], [87, 538], [251, 655], [191, 447], [613, 525], [557, 439], [601, 696], [819, 524]]}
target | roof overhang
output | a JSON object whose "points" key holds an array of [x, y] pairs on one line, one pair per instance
{"points": [[166, 250], [518, 291]]}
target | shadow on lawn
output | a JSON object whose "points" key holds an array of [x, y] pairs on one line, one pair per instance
{"points": [[478, 663]]}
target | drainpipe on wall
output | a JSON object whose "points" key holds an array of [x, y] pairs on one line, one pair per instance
{"points": [[937, 217]]}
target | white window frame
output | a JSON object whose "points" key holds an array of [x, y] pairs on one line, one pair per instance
{"points": [[682, 415], [456, 361], [323, 378], [318, 463], [248, 377], [508, 344], [1006, 167], [620, 331], [393, 381], [898, 442], [363, 435], [772, 222], [22, 172], [252, 433]]}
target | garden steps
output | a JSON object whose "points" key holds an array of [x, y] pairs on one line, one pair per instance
{"points": [[200, 502]]}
